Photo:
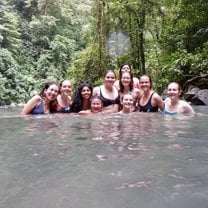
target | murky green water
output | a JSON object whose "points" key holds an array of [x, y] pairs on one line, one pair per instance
{"points": [[113, 161]]}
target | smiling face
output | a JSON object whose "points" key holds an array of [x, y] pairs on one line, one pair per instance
{"points": [[127, 101], [173, 91], [51, 92], [110, 78], [125, 68], [86, 93], [145, 83], [126, 79], [66, 87], [96, 105]]}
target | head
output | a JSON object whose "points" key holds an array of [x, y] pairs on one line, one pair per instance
{"points": [[96, 104], [65, 87], [83, 94], [109, 78], [50, 91], [127, 101], [126, 80], [174, 90], [145, 82], [84, 91], [125, 68]]}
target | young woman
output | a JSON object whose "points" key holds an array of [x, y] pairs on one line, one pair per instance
{"points": [[43, 102], [96, 106], [127, 102], [173, 104], [126, 86], [108, 93], [64, 98], [81, 99], [127, 68], [150, 101]]}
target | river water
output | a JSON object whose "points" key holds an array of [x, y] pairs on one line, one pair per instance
{"points": [[104, 161]]}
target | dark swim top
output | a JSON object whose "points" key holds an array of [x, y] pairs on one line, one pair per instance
{"points": [[165, 112], [148, 107], [60, 109], [38, 109], [107, 102]]}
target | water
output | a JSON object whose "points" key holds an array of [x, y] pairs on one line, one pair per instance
{"points": [[69, 161]]}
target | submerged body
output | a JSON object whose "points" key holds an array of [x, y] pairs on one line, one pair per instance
{"points": [[174, 105]]}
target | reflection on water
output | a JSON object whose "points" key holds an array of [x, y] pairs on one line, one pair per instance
{"points": [[138, 160]]}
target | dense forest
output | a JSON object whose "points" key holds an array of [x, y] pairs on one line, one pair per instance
{"points": [[42, 40]]}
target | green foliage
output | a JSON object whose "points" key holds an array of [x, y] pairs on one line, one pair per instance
{"points": [[44, 40], [11, 87], [88, 67]]}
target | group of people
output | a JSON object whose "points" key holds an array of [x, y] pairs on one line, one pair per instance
{"points": [[125, 95]]}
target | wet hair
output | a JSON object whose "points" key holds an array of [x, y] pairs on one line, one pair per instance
{"points": [[129, 93], [46, 86], [53, 103], [96, 97], [61, 84], [131, 83], [150, 79], [179, 87], [123, 66], [77, 104], [109, 71]]}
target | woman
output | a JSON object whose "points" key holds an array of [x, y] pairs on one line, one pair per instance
{"points": [[127, 68], [108, 93], [173, 104], [127, 102], [126, 86], [43, 102], [64, 98], [81, 99], [150, 101]]}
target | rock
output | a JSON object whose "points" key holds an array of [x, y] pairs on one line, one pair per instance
{"points": [[203, 96], [12, 105], [191, 94], [197, 96]]}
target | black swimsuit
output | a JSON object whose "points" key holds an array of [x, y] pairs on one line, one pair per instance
{"points": [[148, 107], [107, 102]]}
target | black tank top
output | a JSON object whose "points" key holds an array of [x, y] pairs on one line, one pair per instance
{"points": [[148, 107], [107, 102]]}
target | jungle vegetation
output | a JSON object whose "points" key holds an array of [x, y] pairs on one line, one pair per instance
{"points": [[42, 40]]}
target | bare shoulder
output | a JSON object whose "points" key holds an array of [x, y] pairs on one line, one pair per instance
{"points": [[70, 100], [35, 99], [167, 100], [156, 96], [116, 84], [187, 108], [96, 91]]}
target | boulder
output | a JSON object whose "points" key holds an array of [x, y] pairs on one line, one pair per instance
{"points": [[197, 96], [203, 96], [191, 93]]}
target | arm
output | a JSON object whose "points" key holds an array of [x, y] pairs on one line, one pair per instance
{"points": [[30, 105], [158, 101], [187, 108]]}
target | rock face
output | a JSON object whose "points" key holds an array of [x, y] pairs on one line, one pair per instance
{"points": [[197, 96], [203, 96]]}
